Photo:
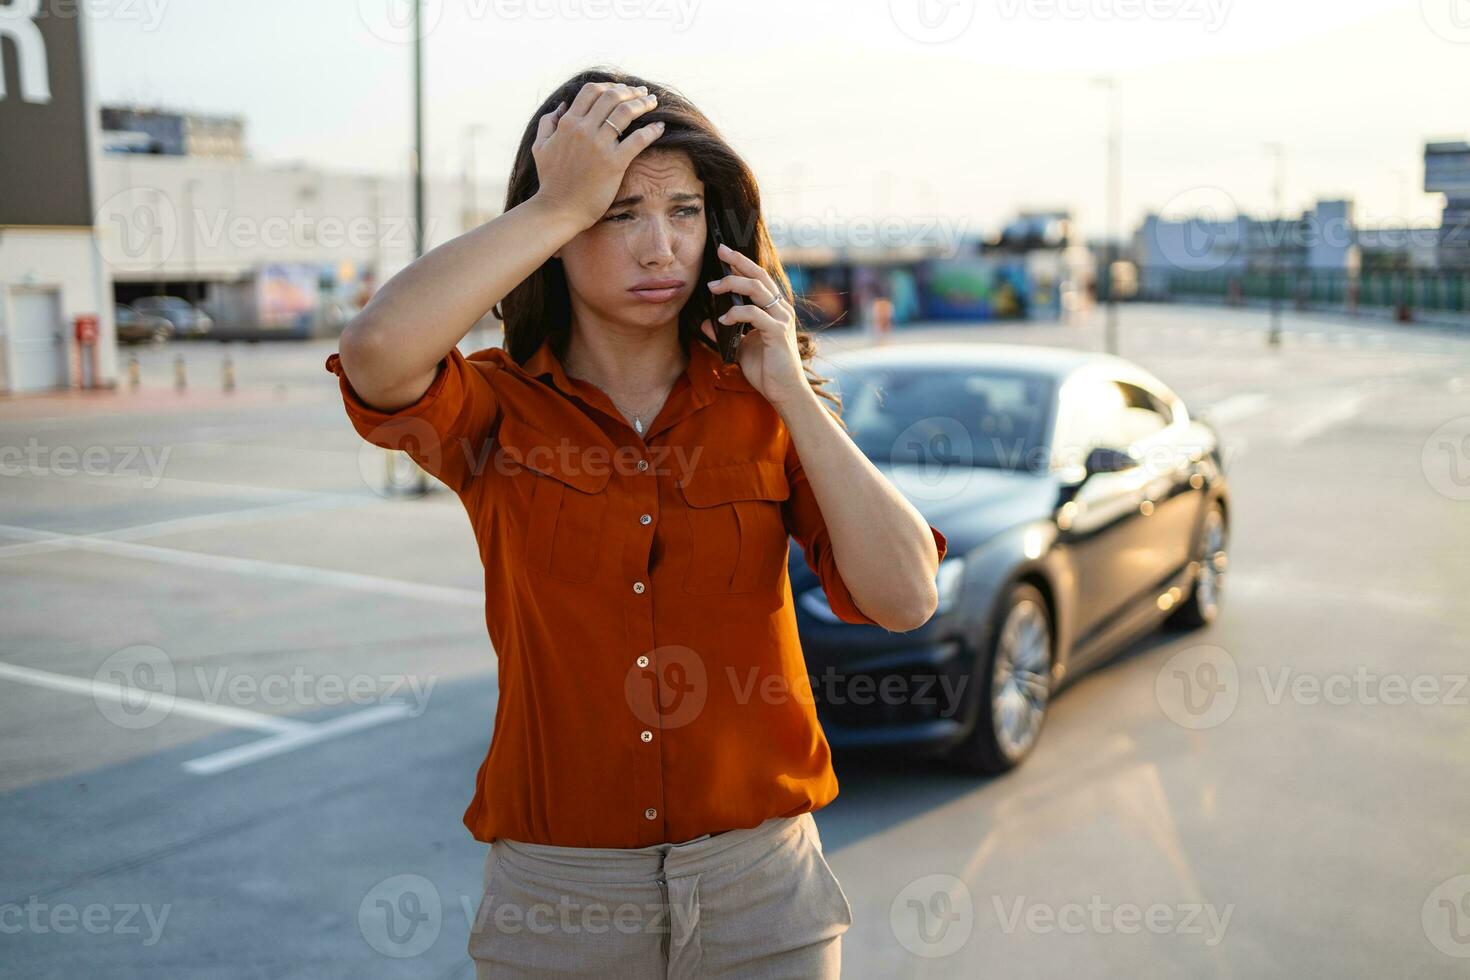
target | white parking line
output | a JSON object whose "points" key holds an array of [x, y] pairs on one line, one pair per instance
{"points": [[287, 734], [1338, 412], [241, 755], [306, 574], [219, 714], [1236, 407]]}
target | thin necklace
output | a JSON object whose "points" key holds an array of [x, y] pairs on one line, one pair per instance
{"points": [[637, 416]]}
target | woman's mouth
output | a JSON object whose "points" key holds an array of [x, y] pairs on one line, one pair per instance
{"points": [[657, 290]]}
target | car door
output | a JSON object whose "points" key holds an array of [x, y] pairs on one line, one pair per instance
{"points": [[1101, 524], [1177, 488]]}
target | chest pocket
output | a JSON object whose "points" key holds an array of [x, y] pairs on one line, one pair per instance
{"points": [[737, 534], [568, 503]]}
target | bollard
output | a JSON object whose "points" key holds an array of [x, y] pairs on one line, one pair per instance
{"points": [[133, 373], [180, 380], [229, 372]]}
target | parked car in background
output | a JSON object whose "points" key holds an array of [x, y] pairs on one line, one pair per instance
{"points": [[1083, 506], [187, 319], [140, 328]]}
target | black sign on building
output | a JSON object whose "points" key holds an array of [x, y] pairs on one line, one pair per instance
{"points": [[45, 165]]}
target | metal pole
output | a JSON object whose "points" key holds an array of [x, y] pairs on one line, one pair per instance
{"points": [[1114, 206], [1273, 336], [418, 158]]}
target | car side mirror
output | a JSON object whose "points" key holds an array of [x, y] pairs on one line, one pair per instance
{"points": [[1105, 460]]}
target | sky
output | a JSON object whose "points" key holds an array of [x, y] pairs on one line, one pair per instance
{"points": [[960, 110]]}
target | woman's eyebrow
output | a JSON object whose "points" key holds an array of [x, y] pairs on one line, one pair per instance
{"points": [[673, 198]]}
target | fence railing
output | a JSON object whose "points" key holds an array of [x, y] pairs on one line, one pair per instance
{"points": [[1398, 291]]}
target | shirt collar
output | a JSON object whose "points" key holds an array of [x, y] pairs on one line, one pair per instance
{"points": [[703, 371]]}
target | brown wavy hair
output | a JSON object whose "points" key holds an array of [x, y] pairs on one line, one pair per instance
{"points": [[540, 306]]}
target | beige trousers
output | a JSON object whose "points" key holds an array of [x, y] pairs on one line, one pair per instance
{"points": [[757, 902]]}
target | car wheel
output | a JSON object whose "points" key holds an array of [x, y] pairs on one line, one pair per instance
{"points": [[1014, 682], [1202, 606]]}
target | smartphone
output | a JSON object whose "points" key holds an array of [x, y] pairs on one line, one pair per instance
{"points": [[727, 336]]}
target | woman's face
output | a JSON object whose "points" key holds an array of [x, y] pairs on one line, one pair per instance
{"points": [[640, 262]]}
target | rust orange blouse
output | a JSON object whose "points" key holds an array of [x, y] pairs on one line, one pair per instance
{"points": [[652, 684]]}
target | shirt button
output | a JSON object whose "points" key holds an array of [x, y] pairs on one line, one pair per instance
{"points": [[642, 464], [646, 519], [650, 813], [638, 587], [647, 736], [643, 661]]}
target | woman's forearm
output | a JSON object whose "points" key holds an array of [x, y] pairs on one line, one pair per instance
{"points": [[882, 545], [394, 344]]}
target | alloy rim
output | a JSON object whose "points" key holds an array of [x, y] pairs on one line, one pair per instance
{"points": [[1020, 684], [1212, 564]]}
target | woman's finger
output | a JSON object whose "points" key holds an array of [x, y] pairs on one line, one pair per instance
{"points": [[547, 125], [753, 289], [757, 318], [746, 266], [635, 143]]}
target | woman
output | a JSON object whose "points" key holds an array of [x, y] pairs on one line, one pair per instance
{"points": [[655, 759]]}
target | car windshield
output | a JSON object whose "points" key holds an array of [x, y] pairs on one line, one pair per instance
{"points": [[955, 416]]}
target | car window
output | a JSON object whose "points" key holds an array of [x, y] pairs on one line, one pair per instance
{"points": [[1143, 414], [969, 417]]}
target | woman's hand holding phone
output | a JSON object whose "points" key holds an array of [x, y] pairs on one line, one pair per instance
{"points": [[580, 159], [768, 355]]}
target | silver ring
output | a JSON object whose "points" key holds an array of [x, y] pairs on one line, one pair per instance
{"points": [[772, 302], [615, 128]]}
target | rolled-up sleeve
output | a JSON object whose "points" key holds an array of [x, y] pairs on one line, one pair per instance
{"points": [[805, 522], [445, 431]]}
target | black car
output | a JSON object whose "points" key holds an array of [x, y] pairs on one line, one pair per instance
{"points": [[1083, 506]]}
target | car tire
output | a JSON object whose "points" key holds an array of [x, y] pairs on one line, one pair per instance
{"points": [[1202, 606], [1014, 684]]}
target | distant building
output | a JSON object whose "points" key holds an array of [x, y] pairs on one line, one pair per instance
{"points": [[162, 132], [1447, 171]]}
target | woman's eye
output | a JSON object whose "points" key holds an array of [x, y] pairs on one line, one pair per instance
{"points": [[615, 217], [691, 210]]}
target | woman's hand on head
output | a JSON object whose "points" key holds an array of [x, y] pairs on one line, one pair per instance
{"points": [[580, 159]]}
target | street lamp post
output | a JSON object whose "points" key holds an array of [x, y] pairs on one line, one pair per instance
{"points": [[1110, 83], [1273, 336]]}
